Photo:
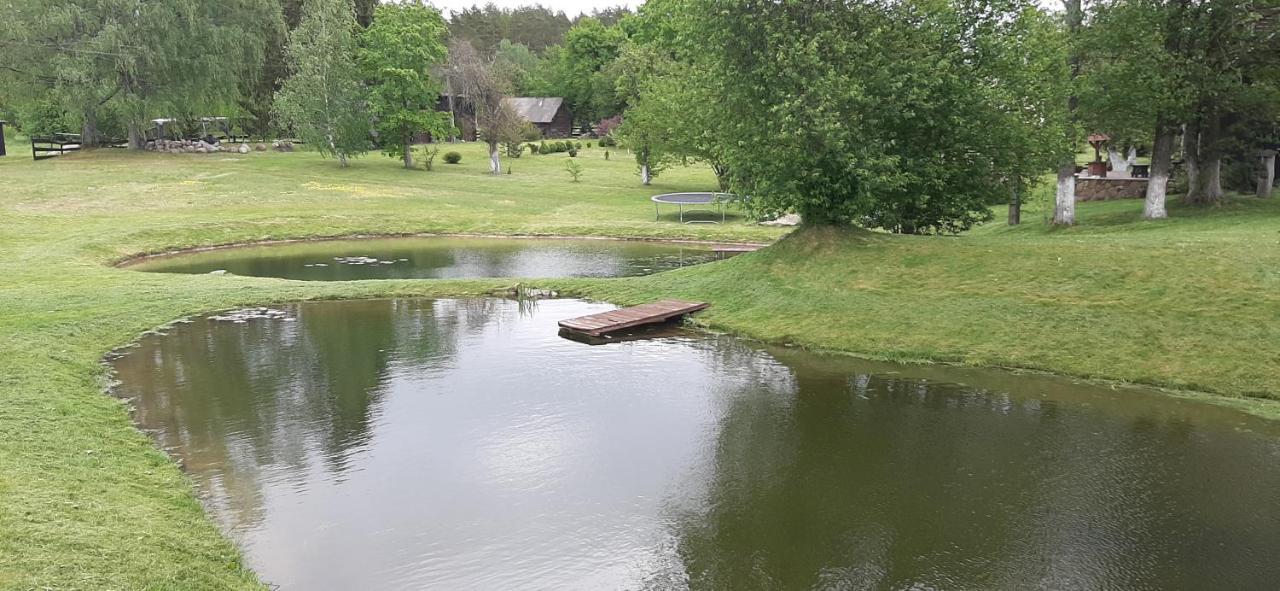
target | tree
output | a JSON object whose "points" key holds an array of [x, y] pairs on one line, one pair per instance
{"points": [[872, 113], [136, 59], [1194, 66], [398, 52], [589, 48], [322, 100], [1024, 54], [649, 128], [1064, 204], [483, 89], [1134, 81], [258, 92]]}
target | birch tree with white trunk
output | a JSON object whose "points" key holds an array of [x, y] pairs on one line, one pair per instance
{"points": [[322, 101]]}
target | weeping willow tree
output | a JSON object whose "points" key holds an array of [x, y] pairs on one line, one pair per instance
{"points": [[139, 59]]}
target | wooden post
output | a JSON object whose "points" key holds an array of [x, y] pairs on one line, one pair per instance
{"points": [[1267, 177], [2, 152]]}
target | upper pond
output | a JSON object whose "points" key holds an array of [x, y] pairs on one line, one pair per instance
{"points": [[437, 258], [460, 444]]}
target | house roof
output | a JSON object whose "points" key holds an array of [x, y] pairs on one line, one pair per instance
{"points": [[536, 109]]}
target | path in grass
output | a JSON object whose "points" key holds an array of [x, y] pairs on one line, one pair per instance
{"points": [[87, 502]]}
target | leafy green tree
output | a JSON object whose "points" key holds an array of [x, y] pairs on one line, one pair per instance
{"points": [[650, 128], [136, 59], [322, 100], [518, 64], [1161, 66], [1064, 203], [881, 114], [589, 48], [398, 52]]}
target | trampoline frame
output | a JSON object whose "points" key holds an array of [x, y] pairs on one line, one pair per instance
{"points": [[718, 198]]}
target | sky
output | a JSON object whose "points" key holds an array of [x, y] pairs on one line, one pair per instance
{"points": [[570, 7]]}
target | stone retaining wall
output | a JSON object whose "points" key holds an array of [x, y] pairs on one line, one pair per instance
{"points": [[1103, 189]]}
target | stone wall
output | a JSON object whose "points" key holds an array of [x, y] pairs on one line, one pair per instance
{"points": [[1103, 189]]}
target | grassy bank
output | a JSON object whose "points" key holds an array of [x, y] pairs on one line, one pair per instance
{"points": [[87, 502]]}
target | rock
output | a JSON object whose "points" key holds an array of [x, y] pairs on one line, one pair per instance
{"points": [[243, 149], [260, 147], [791, 219], [247, 314], [218, 272]]}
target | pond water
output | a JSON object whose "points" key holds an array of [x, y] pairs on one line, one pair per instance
{"points": [[461, 444], [437, 257]]}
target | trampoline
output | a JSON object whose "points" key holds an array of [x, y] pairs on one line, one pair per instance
{"points": [[680, 200]]}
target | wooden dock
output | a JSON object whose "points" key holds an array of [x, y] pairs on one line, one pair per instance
{"points": [[598, 325], [728, 250]]}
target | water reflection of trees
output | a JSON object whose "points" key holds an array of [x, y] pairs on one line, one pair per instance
{"points": [[237, 403], [846, 481]]}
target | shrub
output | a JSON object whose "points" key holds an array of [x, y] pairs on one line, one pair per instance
{"points": [[430, 154], [608, 142], [533, 149], [530, 133], [588, 144], [452, 157], [573, 152], [577, 145], [606, 126], [542, 147]]}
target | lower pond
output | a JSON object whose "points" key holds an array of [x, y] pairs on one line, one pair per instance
{"points": [[461, 444], [437, 257]]}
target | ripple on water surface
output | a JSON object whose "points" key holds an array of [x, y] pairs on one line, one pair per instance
{"points": [[460, 444]]}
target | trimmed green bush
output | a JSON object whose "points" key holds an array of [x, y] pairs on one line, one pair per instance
{"points": [[452, 157]]}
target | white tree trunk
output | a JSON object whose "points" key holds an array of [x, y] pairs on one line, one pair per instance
{"points": [[1267, 176], [1211, 180], [1131, 159], [1064, 208], [1191, 159], [1118, 163], [1161, 163], [645, 177], [495, 162]]}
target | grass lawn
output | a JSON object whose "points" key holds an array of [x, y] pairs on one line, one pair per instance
{"points": [[87, 502]]}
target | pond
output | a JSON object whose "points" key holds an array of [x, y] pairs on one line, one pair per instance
{"points": [[461, 444], [437, 257]]}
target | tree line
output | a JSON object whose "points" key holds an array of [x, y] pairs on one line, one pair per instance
{"points": [[915, 116]]}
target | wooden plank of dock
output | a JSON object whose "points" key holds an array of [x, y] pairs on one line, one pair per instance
{"points": [[596, 325], [726, 250]]}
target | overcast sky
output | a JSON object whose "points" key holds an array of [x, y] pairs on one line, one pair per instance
{"points": [[570, 7]]}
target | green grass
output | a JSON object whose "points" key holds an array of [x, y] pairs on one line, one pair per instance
{"points": [[87, 502]]}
